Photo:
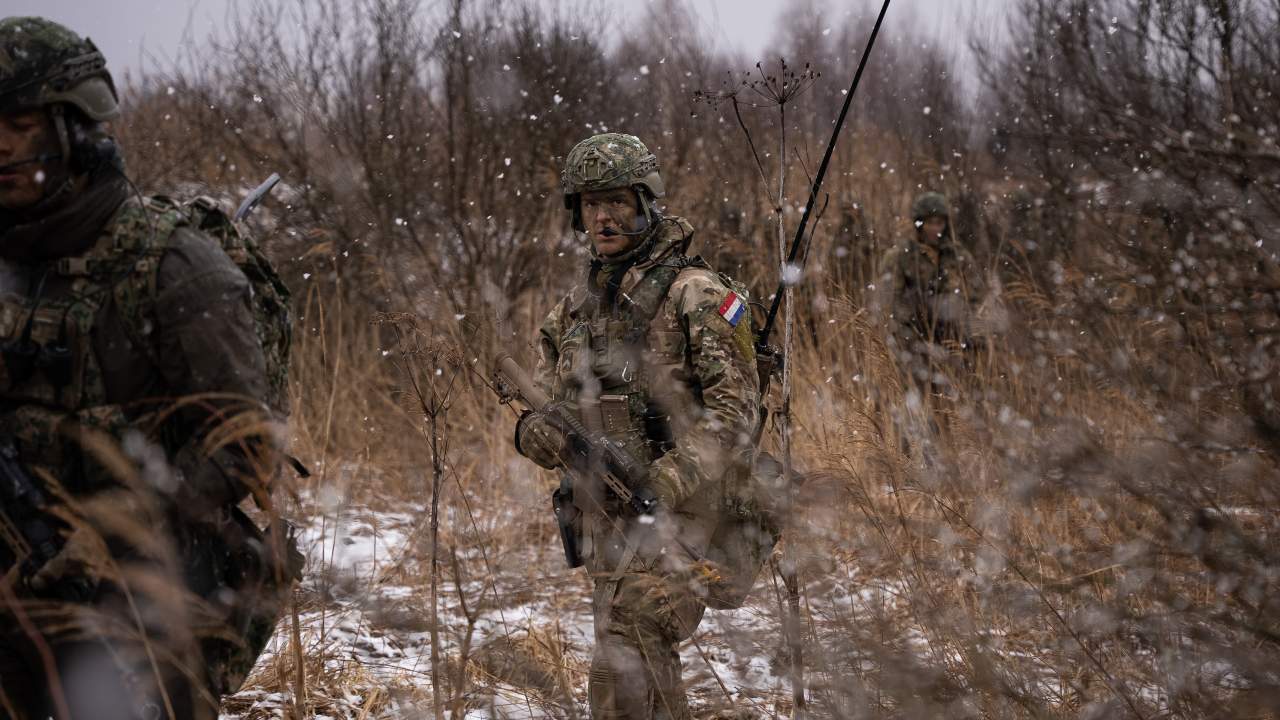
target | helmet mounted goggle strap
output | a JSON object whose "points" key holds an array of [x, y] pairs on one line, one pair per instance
{"points": [[48, 88]]}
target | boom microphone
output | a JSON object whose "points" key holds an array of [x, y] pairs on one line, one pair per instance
{"points": [[41, 158], [610, 232]]}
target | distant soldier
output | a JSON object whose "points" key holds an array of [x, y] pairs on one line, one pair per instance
{"points": [[926, 288], [140, 382], [656, 351]]}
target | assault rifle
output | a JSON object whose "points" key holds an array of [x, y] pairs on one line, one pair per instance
{"points": [[592, 458], [32, 536]]}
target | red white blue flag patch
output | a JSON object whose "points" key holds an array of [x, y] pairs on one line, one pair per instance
{"points": [[732, 309]]}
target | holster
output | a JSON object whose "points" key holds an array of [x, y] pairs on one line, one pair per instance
{"points": [[569, 519]]}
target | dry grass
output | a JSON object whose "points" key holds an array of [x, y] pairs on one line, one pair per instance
{"points": [[1082, 523], [1047, 539]]}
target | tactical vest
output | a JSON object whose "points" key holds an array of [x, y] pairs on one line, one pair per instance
{"points": [[608, 369], [52, 387], [930, 279], [620, 377]]}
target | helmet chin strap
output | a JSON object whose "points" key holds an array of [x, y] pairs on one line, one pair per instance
{"points": [[644, 219], [65, 182], [60, 124]]}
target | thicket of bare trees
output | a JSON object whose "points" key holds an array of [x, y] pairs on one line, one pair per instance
{"points": [[1153, 126], [1082, 524]]}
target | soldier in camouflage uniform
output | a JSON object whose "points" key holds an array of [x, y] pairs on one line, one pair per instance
{"points": [[133, 388], [655, 349], [926, 289]]}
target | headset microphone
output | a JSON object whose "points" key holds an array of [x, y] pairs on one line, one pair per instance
{"points": [[41, 158], [610, 232]]}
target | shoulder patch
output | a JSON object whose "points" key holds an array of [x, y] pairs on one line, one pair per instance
{"points": [[732, 309]]}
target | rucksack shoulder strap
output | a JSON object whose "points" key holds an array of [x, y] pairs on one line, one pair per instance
{"points": [[141, 238], [130, 244]]}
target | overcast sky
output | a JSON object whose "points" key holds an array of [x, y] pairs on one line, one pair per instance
{"points": [[126, 30]]}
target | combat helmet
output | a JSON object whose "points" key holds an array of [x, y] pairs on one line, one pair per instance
{"points": [[929, 204], [45, 65], [608, 161]]}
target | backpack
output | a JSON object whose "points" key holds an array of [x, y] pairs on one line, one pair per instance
{"points": [[747, 527], [269, 295]]}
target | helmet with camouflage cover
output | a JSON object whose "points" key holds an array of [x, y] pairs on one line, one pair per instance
{"points": [[44, 64], [930, 204], [605, 162]]}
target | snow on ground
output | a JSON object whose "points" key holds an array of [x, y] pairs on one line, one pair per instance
{"points": [[364, 620]]}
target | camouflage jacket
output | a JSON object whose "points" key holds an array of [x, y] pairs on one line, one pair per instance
{"points": [[926, 292], [167, 362], [684, 394]]}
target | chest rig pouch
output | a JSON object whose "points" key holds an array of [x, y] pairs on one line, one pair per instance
{"points": [[51, 382], [606, 366]]}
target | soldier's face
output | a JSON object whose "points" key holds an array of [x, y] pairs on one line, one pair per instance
{"points": [[613, 210], [24, 135], [932, 228]]}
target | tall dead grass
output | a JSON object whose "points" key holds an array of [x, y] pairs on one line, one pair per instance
{"points": [[1076, 518]]}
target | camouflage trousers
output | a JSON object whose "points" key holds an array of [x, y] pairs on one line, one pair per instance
{"points": [[641, 615]]}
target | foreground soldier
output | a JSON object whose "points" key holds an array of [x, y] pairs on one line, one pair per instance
{"points": [[926, 288], [655, 350], [133, 381]]}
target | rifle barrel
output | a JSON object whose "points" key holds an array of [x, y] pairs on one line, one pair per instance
{"points": [[516, 374]]}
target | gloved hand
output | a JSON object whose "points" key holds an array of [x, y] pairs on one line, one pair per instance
{"points": [[81, 560], [666, 484], [540, 439]]}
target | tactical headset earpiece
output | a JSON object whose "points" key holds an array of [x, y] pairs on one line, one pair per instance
{"points": [[91, 148], [93, 155]]}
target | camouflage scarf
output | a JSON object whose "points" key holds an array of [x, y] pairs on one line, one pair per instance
{"points": [[604, 278], [67, 229]]}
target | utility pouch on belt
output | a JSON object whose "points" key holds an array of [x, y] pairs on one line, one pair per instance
{"points": [[569, 518]]}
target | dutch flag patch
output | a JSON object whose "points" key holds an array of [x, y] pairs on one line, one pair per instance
{"points": [[732, 309]]}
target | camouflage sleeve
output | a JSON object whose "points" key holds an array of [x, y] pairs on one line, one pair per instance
{"points": [[212, 364], [722, 360], [544, 373]]}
